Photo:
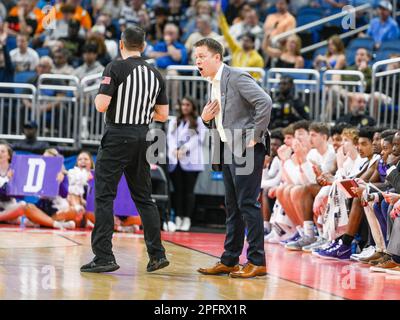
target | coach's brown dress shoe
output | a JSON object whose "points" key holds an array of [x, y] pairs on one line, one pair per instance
{"points": [[249, 271], [219, 268]]}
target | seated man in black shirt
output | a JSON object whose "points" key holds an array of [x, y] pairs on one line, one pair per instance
{"points": [[30, 143], [357, 112], [287, 108]]}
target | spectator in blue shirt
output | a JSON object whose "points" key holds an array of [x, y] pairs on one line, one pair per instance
{"points": [[169, 51], [384, 27]]}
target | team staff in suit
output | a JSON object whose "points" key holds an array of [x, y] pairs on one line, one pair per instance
{"points": [[240, 111]]}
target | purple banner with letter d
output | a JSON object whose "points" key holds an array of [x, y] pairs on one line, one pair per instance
{"points": [[35, 175]]}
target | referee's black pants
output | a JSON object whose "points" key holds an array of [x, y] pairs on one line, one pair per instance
{"points": [[123, 150]]}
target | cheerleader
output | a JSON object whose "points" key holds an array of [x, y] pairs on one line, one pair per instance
{"points": [[78, 178], [11, 211], [58, 208]]}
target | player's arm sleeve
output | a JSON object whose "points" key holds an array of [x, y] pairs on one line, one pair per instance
{"points": [[109, 82]]}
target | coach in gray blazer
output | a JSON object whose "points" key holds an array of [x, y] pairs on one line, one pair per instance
{"points": [[239, 112]]}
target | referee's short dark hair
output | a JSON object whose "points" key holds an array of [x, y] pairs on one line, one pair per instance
{"points": [[213, 45], [133, 38]]}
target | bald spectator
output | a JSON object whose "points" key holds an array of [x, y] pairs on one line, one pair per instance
{"points": [[169, 51], [23, 57], [357, 116], [279, 22]]}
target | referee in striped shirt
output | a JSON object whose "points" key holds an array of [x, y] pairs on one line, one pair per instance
{"points": [[132, 94]]}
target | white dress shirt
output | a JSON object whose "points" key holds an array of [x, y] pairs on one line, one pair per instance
{"points": [[216, 94]]}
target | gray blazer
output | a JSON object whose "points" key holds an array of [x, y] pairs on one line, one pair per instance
{"points": [[245, 105]]}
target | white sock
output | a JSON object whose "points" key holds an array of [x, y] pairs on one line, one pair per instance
{"points": [[267, 226], [309, 229], [57, 225]]}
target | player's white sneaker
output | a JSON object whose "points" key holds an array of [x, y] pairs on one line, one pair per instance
{"points": [[274, 238], [169, 226], [365, 254], [185, 224]]}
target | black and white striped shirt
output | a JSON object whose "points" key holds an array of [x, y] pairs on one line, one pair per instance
{"points": [[135, 87]]}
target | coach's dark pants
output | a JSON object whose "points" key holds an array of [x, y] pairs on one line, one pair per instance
{"points": [[244, 210], [123, 150]]}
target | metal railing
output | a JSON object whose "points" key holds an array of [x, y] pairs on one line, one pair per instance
{"points": [[91, 122], [341, 36], [195, 71], [57, 108], [307, 85], [66, 114], [385, 92], [336, 92], [17, 106], [180, 86], [193, 85]]}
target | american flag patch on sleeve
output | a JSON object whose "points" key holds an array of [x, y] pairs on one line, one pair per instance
{"points": [[106, 80]]}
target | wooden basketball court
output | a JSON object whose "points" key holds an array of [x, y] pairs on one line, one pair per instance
{"points": [[44, 264]]}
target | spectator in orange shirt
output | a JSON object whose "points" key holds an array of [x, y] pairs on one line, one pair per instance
{"points": [[25, 18], [281, 21], [80, 14]]}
